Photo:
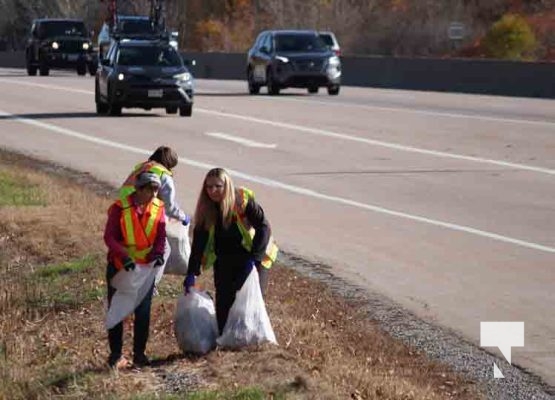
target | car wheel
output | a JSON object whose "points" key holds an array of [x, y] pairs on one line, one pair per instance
{"points": [[253, 87], [82, 70], [333, 90], [92, 68], [313, 89], [44, 70], [101, 108], [114, 110], [186, 110], [31, 70], [171, 110], [273, 88]]}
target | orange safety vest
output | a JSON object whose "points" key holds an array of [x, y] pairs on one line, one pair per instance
{"points": [[128, 186], [139, 234], [247, 233]]}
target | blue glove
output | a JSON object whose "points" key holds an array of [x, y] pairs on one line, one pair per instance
{"points": [[189, 282], [128, 264], [187, 220], [158, 260], [249, 266]]}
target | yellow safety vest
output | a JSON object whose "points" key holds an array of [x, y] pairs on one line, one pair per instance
{"points": [[247, 233], [128, 186]]}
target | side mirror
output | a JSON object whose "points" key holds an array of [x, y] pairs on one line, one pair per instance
{"points": [[264, 50], [105, 62]]}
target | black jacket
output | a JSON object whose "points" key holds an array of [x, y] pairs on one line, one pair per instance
{"points": [[227, 242]]}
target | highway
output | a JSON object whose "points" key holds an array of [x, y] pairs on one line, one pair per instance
{"points": [[442, 202]]}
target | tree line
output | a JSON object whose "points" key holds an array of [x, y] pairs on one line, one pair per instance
{"points": [[382, 27]]}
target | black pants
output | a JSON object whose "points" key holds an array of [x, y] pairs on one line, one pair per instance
{"points": [[229, 277], [141, 325]]}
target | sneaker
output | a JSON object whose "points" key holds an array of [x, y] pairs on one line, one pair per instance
{"points": [[141, 360], [117, 362]]}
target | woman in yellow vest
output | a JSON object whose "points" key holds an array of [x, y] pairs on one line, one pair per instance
{"points": [[135, 233], [161, 162], [231, 234]]}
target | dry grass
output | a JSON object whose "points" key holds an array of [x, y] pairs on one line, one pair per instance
{"points": [[53, 343]]}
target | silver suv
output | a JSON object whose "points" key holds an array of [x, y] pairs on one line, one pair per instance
{"points": [[292, 58]]}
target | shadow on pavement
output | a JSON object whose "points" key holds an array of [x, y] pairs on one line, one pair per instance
{"points": [[69, 115]]}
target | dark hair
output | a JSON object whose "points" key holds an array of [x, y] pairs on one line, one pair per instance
{"points": [[166, 156]]}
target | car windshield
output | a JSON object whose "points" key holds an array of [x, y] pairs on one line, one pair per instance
{"points": [[62, 28], [299, 43], [149, 56], [135, 26]]}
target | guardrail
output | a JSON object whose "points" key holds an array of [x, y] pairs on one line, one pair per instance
{"points": [[507, 78]]}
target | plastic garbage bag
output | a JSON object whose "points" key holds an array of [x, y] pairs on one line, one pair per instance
{"points": [[131, 288], [178, 238], [248, 322], [195, 323]]}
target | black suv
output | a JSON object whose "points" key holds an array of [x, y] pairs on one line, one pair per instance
{"points": [[143, 74], [292, 58], [59, 43]]}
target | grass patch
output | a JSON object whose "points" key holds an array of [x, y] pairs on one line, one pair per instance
{"points": [[16, 190], [239, 394], [56, 270]]}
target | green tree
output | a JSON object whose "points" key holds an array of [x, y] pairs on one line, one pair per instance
{"points": [[510, 38]]}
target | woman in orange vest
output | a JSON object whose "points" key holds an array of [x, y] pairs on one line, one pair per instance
{"points": [[232, 234], [135, 233]]}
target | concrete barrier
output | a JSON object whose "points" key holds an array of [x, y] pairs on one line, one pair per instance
{"points": [[507, 78]]}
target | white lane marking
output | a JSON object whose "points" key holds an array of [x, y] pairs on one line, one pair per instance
{"points": [[290, 188], [423, 112], [244, 142], [322, 132], [45, 86]]}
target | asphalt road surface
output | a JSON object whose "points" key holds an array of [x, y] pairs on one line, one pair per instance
{"points": [[442, 202]]}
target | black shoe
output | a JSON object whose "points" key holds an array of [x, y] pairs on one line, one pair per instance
{"points": [[141, 360]]}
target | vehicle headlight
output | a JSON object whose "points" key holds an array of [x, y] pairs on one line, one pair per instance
{"points": [[55, 45], [86, 46], [282, 59], [121, 77], [185, 76], [334, 61]]}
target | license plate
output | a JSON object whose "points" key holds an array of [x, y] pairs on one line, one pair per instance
{"points": [[72, 57], [155, 93]]}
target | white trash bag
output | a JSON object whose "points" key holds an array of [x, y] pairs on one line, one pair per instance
{"points": [[248, 322], [195, 325], [131, 288], [178, 238]]}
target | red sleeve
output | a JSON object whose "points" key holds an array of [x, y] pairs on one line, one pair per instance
{"points": [[113, 236]]}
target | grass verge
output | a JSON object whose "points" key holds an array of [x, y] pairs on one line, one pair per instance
{"points": [[53, 343]]}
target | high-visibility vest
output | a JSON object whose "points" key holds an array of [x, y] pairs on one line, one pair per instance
{"points": [[247, 232], [128, 186], [139, 234]]}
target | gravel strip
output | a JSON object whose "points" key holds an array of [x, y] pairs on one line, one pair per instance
{"points": [[438, 343]]}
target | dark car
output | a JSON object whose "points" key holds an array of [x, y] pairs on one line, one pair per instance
{"points": [[59, 43], [143, 74], [292, 58], [132, 27]]}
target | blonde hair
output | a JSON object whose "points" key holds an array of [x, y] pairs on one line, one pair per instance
{"points": [[206, 213]]}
